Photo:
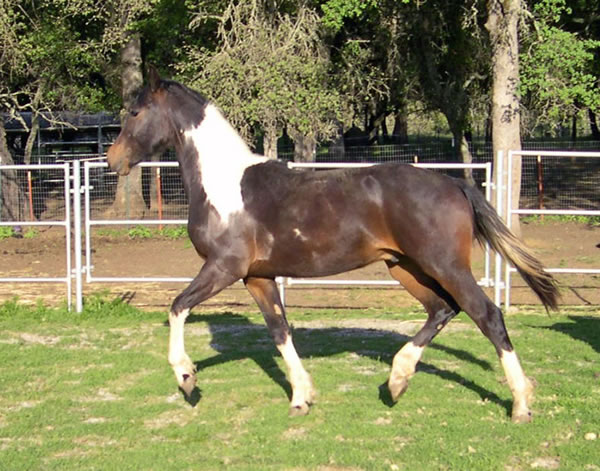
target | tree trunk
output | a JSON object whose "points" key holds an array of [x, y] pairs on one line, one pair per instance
{"points": [[12, 199], [270, 143], [502, 25], [465, 155], [32, 137], [129, 199], [400, 133], [594, 125], [305, 147]]}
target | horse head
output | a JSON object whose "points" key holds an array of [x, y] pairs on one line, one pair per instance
{"points": [[146, 130]]}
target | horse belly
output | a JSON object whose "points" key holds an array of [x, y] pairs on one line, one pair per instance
{"points": [[302, 256]]}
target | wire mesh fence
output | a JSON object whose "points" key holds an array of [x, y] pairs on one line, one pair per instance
{"points": [[555, 183]]}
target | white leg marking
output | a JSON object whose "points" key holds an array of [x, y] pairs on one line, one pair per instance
{"points": [[520, 386], [182, 366], [403, 367], [302, 388], [405, 361]]}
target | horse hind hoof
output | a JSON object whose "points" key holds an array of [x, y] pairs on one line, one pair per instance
{"points": [[397, 388], [299, 411]]}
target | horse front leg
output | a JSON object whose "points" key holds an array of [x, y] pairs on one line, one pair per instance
{"points": [[207, 283], [265, 293]]}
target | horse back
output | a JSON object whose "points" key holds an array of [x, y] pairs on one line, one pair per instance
{"points": [[315, 223]]}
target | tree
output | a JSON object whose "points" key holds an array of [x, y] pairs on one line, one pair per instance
{"points": [[121, 34], [557, 76], [451, 57], [502, 25], [269, 73], [129, 200], [12, 199]]}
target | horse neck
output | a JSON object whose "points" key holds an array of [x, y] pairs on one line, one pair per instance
{"points": [[213, 149]]}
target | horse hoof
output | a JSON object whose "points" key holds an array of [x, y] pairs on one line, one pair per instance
{"points": [[298, 411], [188, 384], [397, 388], [522, 418]]}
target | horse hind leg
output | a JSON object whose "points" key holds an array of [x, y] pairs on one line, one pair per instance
{"points": [[440, 308], [488, 317], [265, 293]]}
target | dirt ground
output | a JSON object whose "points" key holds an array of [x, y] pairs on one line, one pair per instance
{"points": [[558, 245]]}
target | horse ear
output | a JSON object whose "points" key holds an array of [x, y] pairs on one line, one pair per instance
{"points": [[153, 78]]}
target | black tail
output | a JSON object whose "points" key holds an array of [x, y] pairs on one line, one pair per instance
{"points": [[490, 228]]}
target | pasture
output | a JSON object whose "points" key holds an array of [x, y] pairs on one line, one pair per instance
{"points": [[95, 391]]}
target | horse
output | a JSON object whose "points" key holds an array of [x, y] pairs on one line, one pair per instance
{"points": [[254, 219]]}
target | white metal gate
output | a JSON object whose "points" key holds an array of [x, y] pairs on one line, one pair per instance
{"points": [[88, 223], [63, 179], [540, 155]]}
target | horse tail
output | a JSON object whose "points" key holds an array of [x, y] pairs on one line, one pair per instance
{"points": [[489, 227]]}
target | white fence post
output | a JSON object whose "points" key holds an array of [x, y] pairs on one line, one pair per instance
{"points": [[78, 272]]}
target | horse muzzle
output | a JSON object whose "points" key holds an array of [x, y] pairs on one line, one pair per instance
{"points": [[117, 160]]}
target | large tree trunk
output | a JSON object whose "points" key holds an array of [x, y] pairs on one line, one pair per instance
{"points": [[270, 143], [400, 132], [12, 199], [502, 25], [305, 147], [465, 155], [129, 199], [594, 125]]}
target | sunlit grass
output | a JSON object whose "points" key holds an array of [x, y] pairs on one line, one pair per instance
{"points": [[94, 391]]}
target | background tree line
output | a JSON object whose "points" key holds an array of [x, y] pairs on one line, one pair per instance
{"points": [[314, 69]]}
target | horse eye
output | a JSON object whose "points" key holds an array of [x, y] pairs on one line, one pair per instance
{"points": [[133, 113]]}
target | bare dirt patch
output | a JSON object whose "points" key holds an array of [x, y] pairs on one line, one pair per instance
{"points": [[558, 245]]}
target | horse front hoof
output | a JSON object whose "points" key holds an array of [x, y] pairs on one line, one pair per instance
{"points": [[522, 417], [299, 411], [397, 388], [188, 384]]}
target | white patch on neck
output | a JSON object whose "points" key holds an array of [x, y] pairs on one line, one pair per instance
{"points": [[223, 156]]}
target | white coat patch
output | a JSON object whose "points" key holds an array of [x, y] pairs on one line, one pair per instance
{"points": [[223, 157]]}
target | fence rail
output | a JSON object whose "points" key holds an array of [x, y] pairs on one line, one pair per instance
{"points": [[540, 157], [90, 186], [30, 172]]}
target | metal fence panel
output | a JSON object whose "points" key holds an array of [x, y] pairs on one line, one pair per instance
{"points": [[574, 178], [45, 200]]}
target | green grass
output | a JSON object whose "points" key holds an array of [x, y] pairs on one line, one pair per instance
{"points": [[593, 221], [6, 232], [145, 232], [94, 391]]}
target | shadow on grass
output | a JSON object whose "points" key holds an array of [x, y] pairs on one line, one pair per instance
{"points": [[583, 328], [235, 337]]}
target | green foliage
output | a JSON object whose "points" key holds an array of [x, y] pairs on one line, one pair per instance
{"points": [[31, 233], [139, 232], [556, 68], [174, 232], [335, 12], [278, 79], [6, 232], [593, 221]]}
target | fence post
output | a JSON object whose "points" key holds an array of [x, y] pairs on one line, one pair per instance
{"points": [[77, 234]]}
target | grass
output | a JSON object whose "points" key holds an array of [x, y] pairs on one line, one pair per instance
{"points": [[94, 391], [145, 232], [593, 221]]}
